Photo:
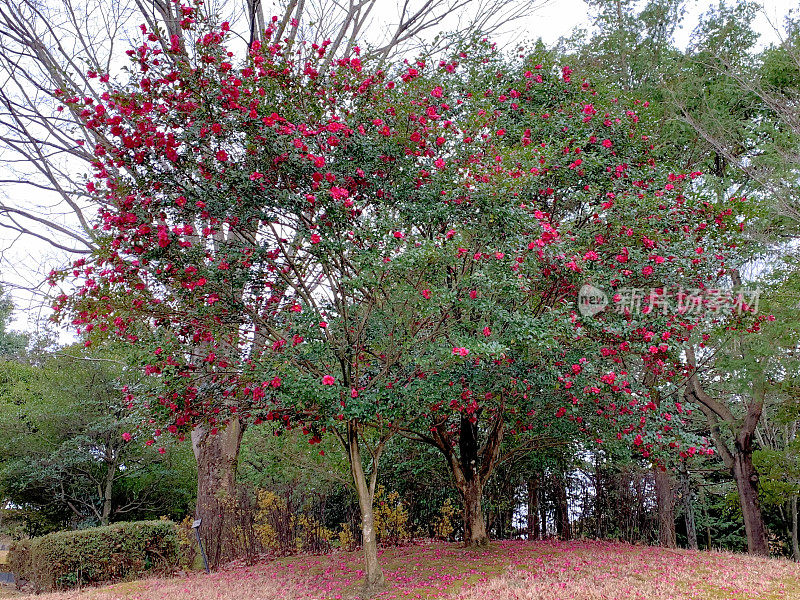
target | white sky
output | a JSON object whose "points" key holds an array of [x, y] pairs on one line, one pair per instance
{"points": [[560, 17], [29, 260]]}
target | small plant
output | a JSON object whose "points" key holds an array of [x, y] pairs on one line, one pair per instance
{"points": [[443, 525], [187, 543], [391, 517], [347, 541]]}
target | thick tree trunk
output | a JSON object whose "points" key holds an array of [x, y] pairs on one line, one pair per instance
{"points": [[471, 468], [217, 456], [474, 525], [739, 460], [665, 501], [374, 580], [533, 508], [747, 483]]}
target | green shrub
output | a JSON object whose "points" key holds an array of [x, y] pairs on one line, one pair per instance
{"points": [[121, 551], [19, 558]]}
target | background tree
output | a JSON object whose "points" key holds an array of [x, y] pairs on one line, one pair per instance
{"points": [[64, 453]]}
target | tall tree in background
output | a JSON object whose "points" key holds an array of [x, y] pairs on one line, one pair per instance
{"points": [[12, 344], [64, 452]]}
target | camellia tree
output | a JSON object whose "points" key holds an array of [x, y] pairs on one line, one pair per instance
{"points": [[335, 250], [570, 193], [237, 233]]}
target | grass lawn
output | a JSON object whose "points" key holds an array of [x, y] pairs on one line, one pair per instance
{"points": [[507, 570]]}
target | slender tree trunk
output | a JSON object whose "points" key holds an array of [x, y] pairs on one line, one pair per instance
{"points": [[563, 527], [706, 518], [747, 483], [108, 493], [508, 520], [688, 510], [474, 525], [665, 501], [217, 456], [374, 580], [600, 488], [533, 507], [543, 514], [795, 543]]}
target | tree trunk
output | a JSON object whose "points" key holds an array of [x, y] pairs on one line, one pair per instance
{"points": [[795, 544], [665, 501], [474, 524], [739, 460], [563, 528], [374, 581], [747, 484], [471, 469], [108, 492], [533, 508], [508, 521], [217, 456], [688, 510], [706, 518], [543, 515]]}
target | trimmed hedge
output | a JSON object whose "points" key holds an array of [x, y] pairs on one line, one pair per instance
{"points": [[67, 559]]}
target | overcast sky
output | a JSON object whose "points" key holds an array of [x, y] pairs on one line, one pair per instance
{"points": [[559, 17], [29, 261]]}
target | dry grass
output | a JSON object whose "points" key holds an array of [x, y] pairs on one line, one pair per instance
{"points": [[579, 570]]}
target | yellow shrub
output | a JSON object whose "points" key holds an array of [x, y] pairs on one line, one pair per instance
{"points": [[270, 505], [443, 526], [391, 517], [347, 541], [311, 535]]}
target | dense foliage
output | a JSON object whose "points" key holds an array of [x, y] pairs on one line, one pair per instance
{"points": [[68, 559], [466, 296]]}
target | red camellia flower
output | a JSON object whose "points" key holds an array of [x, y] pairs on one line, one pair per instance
{"points": [[127, 436], [328, 380], [222, 156], [339, 193]]}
